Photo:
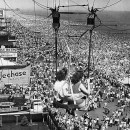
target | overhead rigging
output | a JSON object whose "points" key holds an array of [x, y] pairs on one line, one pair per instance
{"points": [[56, 22], [108, 5], [14, 11], [55, 13]]}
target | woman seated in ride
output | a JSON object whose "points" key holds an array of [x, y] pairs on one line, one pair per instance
{"points": [[80, 92], [61, 90]]}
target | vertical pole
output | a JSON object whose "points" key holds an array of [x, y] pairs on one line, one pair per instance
{"points": [[56, 31], [89, 55], [56, 25]]}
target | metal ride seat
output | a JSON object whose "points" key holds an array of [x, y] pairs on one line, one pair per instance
{"points": [[70, 108], [58, 104]]}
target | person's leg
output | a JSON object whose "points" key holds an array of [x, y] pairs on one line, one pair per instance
{"points": [[81, 103]]}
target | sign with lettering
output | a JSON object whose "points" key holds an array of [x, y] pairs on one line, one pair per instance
{"points": [[5, 50], [8, 52], [5, 55], [15, 76]]}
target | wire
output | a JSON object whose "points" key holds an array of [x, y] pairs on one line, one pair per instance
{"points": [[72, 5], [91, 28], [99, 20], [70, 54], [40, 5], [17, 13], [78, 4], [14, 11], [93, 58], [46, 7], [93, 3], [110, 5], [115, 28], [82, 34], [106, 5]]}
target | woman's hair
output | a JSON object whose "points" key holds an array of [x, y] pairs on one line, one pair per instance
{"points": [[77, 76], [65, 71], [61, 74]]}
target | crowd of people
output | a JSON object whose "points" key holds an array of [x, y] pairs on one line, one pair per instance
{"points": [[110, 61], [112, 118]]}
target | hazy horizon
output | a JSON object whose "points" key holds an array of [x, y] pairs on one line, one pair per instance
{"points": [[119, 18], [107, 15], [121, 5]]}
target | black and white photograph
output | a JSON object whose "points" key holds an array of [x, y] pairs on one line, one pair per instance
{"points": [[45, 45]]}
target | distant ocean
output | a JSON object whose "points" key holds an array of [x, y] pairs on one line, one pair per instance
{"points": [[116, 21], [117, 16]]}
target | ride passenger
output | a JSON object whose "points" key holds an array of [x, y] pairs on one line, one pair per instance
{"points": [[80, 92], [63, 92], [61, 86]]}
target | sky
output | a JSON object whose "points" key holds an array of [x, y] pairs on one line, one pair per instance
{"points": [[123, 5]]}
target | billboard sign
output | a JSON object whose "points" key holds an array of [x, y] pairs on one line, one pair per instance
{"points": [[8, 52], [16, 75], [5, 55], [12, 50]]}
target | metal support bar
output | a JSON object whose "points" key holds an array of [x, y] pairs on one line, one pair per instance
{"points": [[56, 32], [89, 55]]}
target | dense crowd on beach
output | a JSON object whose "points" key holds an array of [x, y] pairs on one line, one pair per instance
{"points": [[110, 62], [110, 52]]}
